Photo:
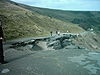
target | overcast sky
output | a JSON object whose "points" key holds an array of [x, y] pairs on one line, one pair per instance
{"points": [[82, 5]]}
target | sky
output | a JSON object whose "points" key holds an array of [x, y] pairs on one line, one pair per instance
{"points": [[77, 5]]}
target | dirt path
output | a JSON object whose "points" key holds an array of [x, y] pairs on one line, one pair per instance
{"points": [[51, 62]]}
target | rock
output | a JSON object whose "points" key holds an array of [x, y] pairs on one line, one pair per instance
{"points": [[66, 42], [5, 71], [57, 45], [51, 43]]}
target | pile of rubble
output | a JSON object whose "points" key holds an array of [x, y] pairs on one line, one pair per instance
{"points": [[63, 41], [56, 42]]}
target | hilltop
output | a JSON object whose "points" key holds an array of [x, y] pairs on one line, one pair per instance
{"points": [[25, 21]]}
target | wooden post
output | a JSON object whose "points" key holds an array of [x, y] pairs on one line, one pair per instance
{"points": [[1, 45]]}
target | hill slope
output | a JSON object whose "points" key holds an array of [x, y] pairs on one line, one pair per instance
{"points": [[84, 19], [25, 21]]}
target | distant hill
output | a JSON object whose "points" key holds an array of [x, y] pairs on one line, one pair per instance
{"points": [[25, 21], [85, 19]]}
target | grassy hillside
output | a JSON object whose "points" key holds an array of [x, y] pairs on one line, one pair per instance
{"points": [[85, 19], [25, 21]]}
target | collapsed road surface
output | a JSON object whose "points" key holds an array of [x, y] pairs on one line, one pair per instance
{"points": [[51, 57]]}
